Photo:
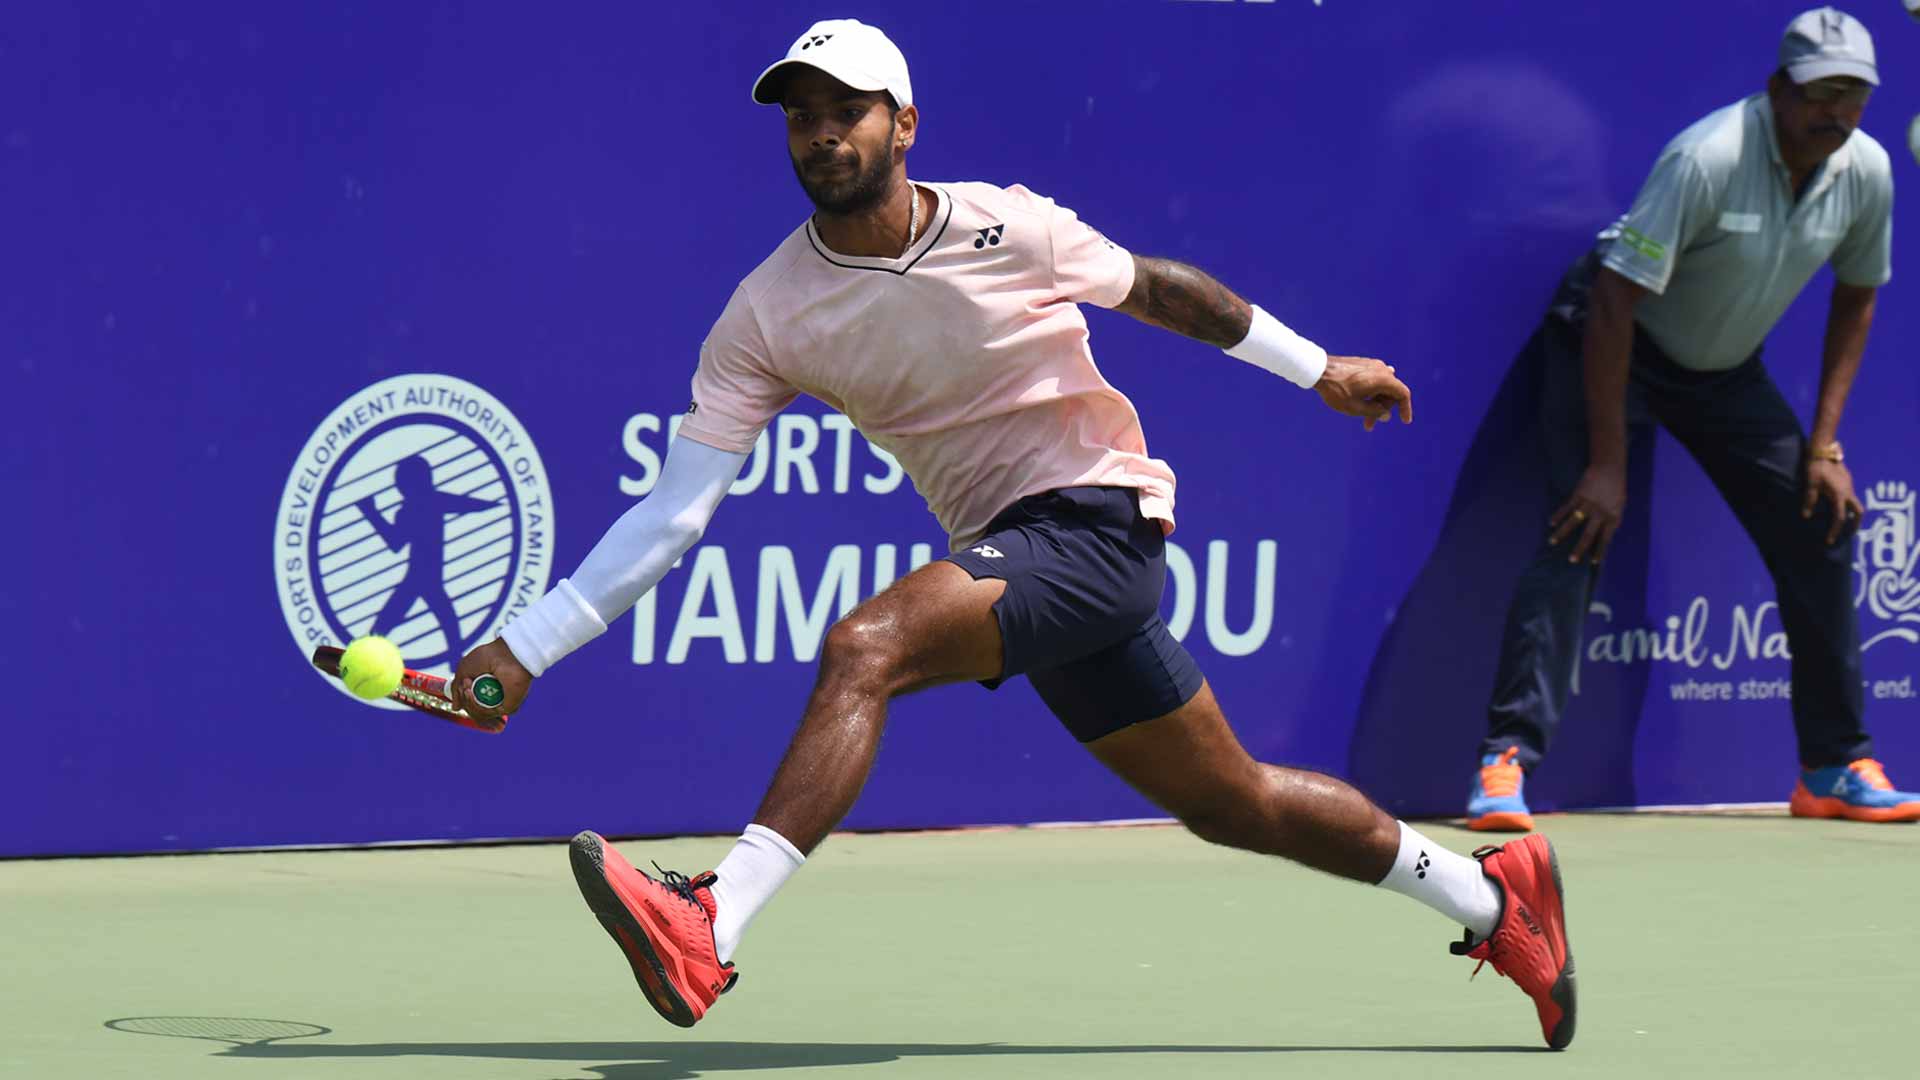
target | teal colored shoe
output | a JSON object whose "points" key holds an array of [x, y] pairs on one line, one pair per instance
{"points": [[1496, 804], [1859, 791]]}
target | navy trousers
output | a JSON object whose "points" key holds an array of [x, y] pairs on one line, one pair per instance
{"points": [[1741, 430]]}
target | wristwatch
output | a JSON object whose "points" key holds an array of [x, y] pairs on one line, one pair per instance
{"points": [[1830, 452]]}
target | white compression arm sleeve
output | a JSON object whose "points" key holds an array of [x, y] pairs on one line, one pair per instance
{"points": [[630, 559]]}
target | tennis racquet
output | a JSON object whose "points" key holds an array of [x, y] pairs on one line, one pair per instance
{"points": [[428, 693]]}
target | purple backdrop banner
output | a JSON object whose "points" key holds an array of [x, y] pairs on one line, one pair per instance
{"points": [[258, 258]]}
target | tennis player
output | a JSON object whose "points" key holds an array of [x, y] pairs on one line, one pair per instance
{"points": [[944, 321]]}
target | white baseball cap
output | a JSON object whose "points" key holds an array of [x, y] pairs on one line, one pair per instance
{"points": [[847, 49], [1823, 43]]}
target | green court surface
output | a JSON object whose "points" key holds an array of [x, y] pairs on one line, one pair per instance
{"points": [[1739, 946]]}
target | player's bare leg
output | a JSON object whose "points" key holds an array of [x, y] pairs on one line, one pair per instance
{"points": [[935, 625], [1190, 763]]}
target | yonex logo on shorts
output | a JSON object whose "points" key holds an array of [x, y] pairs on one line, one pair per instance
{"points": [[418, 510]]}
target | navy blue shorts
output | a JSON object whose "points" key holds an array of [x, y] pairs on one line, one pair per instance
{"points": [[1081, 614]]}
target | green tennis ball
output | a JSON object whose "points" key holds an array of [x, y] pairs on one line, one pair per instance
{"points": [[371, 667]]}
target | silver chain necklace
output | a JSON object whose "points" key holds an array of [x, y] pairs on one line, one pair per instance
{"points": [[913, 220]]}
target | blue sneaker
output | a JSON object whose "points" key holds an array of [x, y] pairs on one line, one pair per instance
{"points": [[1859, 791], [1496, 804]]}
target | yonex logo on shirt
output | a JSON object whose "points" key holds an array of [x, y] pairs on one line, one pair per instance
{"points": [[840, 326], [987, 551]]}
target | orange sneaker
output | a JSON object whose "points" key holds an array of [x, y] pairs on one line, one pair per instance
{"points": [[1529, 943], [665, 928], [1496, 803], [1858, 791]]}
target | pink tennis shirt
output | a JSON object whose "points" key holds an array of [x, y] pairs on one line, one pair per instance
{"points": [[966, 358]]}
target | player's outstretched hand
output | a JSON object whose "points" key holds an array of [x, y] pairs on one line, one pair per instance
{"points": [[492, 658], [1362, 387]]}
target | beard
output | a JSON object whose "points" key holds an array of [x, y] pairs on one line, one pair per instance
{"points": [[863, 189]]}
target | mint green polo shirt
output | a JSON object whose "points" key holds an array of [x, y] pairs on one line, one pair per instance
{"points": [[1721, 243]]}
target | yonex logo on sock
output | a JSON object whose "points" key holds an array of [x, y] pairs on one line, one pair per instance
{"points": [[1420, 866], [989, 235]]}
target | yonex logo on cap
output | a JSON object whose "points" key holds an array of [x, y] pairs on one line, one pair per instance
{"points": [[861, 57]]}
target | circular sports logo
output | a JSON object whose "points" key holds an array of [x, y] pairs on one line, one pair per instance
{"points": [[418, 511]]}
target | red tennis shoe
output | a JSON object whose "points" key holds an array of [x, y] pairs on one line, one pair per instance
{"points": [[1529, 943], [665, 928]]}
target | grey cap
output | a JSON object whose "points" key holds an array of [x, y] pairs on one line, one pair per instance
{"points": [[1823, 43]]}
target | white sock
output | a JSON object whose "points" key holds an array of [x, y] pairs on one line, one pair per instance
{"points": [[1449, 883], [761, 861]]}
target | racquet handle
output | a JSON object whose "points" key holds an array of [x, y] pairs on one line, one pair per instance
{"points": [[488, 691]]}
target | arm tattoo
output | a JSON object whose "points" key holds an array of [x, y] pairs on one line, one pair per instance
{"points": [[1186, 300]]}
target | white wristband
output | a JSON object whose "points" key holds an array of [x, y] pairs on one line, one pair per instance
{"points": [[554, 626], [1271, 345]]}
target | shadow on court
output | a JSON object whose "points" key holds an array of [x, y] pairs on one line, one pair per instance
{"points": [[1425, 696], [686, 1060]]}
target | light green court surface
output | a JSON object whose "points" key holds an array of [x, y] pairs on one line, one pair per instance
{"points": [[1728, 946]]}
